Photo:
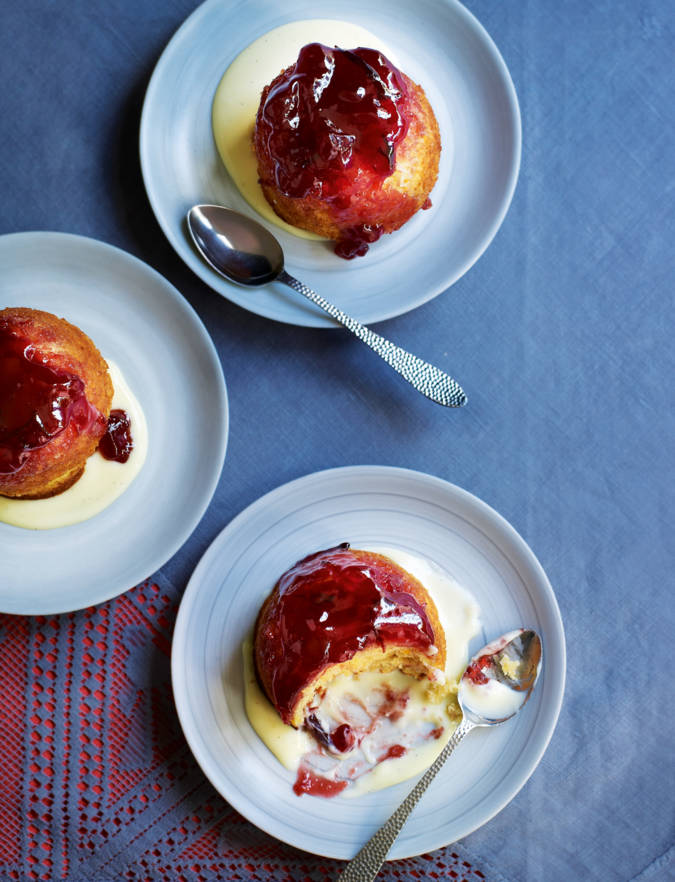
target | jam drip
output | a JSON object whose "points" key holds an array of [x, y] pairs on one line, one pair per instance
{"points": [[117, 442], [329, 606], [332, 109], [315, 785], [394, 752], [354, 241], [37, 402]]}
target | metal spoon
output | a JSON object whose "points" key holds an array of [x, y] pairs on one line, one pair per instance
{"points": [[246, 253], [510, 671]]}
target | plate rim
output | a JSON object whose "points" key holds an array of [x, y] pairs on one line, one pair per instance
{"points": [[75, 241], [209, 277], [506, 529]]}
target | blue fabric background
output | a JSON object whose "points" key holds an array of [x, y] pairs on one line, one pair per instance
{"points": [[561, 335]]}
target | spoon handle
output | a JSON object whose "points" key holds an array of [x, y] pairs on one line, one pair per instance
{"points": [[368, 862], [427, 379]]}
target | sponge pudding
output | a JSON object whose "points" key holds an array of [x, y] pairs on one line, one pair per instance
{"points": [[347, 146], [55, 396], [343, 611]]}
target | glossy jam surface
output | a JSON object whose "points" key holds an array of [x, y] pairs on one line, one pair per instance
{"points": [[333, 108], [117, 442], [326, 608], [37, 402], [354, 241]]}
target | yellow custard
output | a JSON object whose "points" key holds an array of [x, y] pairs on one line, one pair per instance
{"points": [[458, 613], [102, 482], [237, 97]]}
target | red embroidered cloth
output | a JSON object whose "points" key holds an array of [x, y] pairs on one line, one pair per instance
{"points": [[96, 779]]}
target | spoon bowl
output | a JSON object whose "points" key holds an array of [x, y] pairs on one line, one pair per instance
{"points": [[500, 679], [246, 253], [236, 246]]}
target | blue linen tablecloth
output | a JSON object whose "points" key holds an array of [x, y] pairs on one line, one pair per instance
{"points": [[561, 335]]}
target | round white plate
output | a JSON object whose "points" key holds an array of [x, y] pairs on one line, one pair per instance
{"points": [[362, 505], [440, 45], [141, 322]]}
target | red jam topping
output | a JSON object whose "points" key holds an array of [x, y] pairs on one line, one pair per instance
{"points": [[117, 442], [333, 113], [334, 107], [328, 607], [37, 402], [355, 240], [315, 785], [394, 752], [340, 740], [475, 670]]}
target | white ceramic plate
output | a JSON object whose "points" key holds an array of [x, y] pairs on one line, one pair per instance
{"points": [[141, 322], [384, 506], [439, 44]]}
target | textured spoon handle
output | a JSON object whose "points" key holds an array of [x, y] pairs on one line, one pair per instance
{"points": [[367, 863], [426, 378]]}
